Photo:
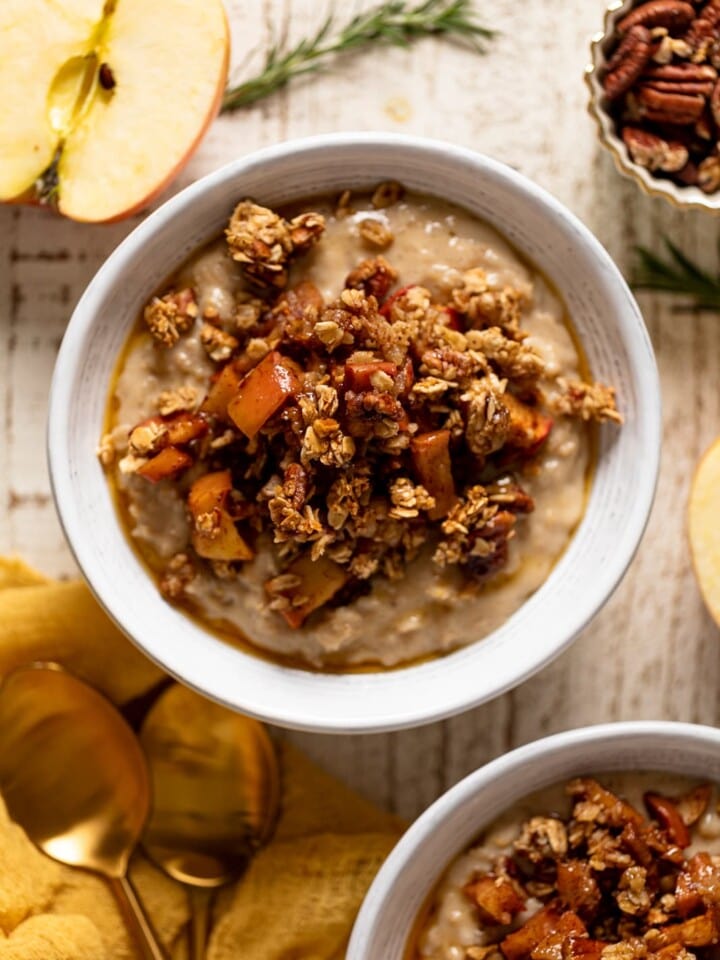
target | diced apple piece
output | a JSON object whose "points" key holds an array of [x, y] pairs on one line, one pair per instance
{"points": [[521, 942], [209, 492], [704, 529], [165, 464], [221, 540], [529, 428], [225, 388], [431, 457], [319, 580], [358, 376], [263, 391], [224, 543], [184, 427], [497, 898]]}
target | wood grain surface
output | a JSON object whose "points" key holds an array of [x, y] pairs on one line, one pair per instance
{"points": [[653, 652]]}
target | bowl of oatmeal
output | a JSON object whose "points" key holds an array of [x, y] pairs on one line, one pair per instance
{"points": [[599, 843], [370, 414]]}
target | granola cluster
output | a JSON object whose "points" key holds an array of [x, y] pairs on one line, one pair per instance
{"points": [[354, 432], [606, 883]]}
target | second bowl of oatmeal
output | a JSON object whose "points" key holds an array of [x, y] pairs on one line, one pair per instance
{"points": [[353, 432], [600, 843]]}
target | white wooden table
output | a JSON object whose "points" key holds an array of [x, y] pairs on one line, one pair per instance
{"points": [[653, 652]]}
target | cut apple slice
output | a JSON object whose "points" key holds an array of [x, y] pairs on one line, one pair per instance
{"points": [[37, 39], [169, 65], [704, 528], [165, 464], [112, 97]]}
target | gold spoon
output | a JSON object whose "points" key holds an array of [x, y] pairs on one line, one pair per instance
{"points": [[74, 777], [216, 795]]}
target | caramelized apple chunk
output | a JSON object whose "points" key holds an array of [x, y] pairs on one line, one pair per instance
{"points": [[305, 586], [262, 392], [431, 458], [214, 534], [169, 462]]}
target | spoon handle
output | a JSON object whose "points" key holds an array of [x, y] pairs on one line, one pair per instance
{"points": [[200, 906], [137, 919]]}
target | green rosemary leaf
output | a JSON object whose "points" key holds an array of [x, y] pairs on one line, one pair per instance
{"points": [[678, 275], [392, 23]]}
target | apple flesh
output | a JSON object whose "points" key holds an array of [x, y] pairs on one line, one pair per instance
{"points": [[112, 96], [208, 495], [431, 459], [263, 391], [704, 528]]}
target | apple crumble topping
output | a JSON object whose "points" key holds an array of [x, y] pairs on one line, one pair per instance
{"points": [[606, 882], [351, 432]]}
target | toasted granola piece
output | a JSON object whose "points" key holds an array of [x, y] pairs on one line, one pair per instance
{"points": [[375, 233], [634, 948], [176, 401], [176, 576], [633, 896], [373, 276], [170, 316], [497, 898], [485, 306], [487, 418], [512, 358], [263, 243], [387, 194], [586, 401], [218, 344], [542, 838], [408, 499]]}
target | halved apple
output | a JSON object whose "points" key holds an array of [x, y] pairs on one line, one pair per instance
{"points": [[704, 528], [105, 100]]}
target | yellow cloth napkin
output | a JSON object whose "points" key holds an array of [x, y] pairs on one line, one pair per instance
{"points": [[297, 900]]}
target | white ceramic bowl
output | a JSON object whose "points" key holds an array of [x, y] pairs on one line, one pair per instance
{"points": [[612, 332], [452, 823]]}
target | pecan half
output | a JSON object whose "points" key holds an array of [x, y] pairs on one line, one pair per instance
{"points": [[675, 15], [674, 108], [628, 62], [651, 151]]}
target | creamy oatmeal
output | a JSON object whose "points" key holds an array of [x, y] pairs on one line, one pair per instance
{"points": [[355, 433], [625, 867]]}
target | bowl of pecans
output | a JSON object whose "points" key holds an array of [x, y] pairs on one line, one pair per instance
{"points": [[655, 96], [355, 433], [595, 843]]}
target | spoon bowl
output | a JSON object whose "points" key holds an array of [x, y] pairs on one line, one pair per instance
{"points": [[216, 790], [74, 777]]}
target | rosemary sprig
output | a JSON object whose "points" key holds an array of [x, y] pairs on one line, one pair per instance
{"points": [[677, 275], [392, 23]]}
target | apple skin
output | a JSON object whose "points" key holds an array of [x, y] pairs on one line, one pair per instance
{"points": [[30, 196], [704, 528]]}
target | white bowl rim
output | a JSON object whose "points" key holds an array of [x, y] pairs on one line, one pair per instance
{"points": [[582, 738], [310, 714]]}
